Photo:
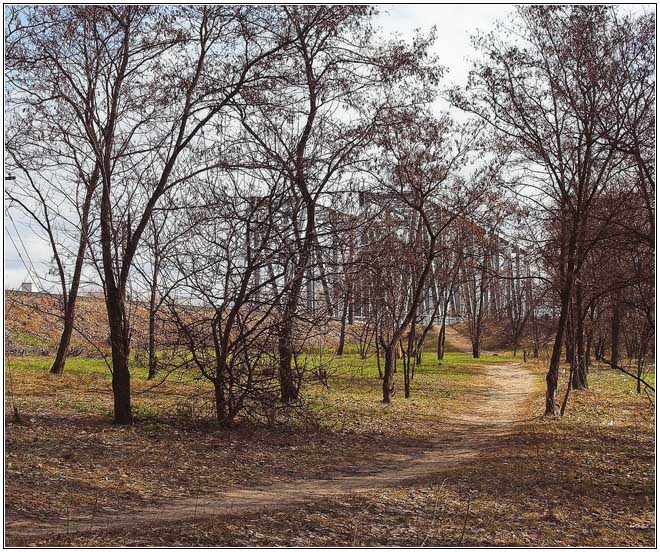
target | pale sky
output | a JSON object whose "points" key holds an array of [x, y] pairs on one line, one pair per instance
{"points": [[455, 24]]}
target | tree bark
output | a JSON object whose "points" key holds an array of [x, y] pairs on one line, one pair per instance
{"points": [[388, 373], [121, 376], [221, 408], [65, 338], [288, 387], [475, 349], [342, 329], [552, 377], [441, 339], [616, 333]]}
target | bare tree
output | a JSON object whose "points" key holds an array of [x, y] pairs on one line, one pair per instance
{"points": [[221, 266], [58, 175], [424, 194], [316, 123], [544, 95]]}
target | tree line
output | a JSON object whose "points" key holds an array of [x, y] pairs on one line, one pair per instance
{"points": [[259, 174]]}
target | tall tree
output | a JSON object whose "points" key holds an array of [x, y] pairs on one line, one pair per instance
{"points": [[420, 186], [315, 122], [166, 74], [544, 93]]}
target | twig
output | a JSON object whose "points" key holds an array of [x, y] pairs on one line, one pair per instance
{"points": [[357, 521], [435, 510], [467, 513]]}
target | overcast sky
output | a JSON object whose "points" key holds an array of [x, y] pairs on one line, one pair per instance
{"points": [[455, 24]]}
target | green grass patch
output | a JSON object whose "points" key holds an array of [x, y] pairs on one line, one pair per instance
{"points": [[79, 366], [25, 338], [348, 398], [609, 379], [146, 413]]}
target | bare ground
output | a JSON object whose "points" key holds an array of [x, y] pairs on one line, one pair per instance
{"points": [[457, 340], [495, 408]]}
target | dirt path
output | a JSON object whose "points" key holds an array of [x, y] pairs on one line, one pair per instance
{"points": [[456, 340], [494, 410]]}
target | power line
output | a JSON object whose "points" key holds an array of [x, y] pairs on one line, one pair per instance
{"points": [[34, 277]]}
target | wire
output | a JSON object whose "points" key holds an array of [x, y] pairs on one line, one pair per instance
{"points": [[33, 272]]}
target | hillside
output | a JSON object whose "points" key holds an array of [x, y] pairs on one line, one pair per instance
{"points": [[33, 326]]}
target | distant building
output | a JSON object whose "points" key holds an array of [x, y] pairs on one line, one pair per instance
{"points": [[338, 264], [26, 286]]}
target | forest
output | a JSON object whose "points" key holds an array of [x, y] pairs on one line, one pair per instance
{"points": [[305, 289]]}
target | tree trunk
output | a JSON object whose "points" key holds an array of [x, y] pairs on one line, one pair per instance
{"points": [[475, 348], [552, 377], [569, 342], [342, 330], [121, 376], [478, 317], [411, 353], [65, 338], [409, 360], [380, 370], [443, 325], [616, 333], [600, 347], [221, 409], [580, 375], [568, 391], [406, 374], [288, 387], [388, 372], [441, 340]]}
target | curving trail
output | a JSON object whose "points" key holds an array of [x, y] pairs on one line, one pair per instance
{"points": [[494, 410]]}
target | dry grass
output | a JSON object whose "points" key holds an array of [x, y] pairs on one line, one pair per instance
{"points": [[65, 442], [584, 480]]}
